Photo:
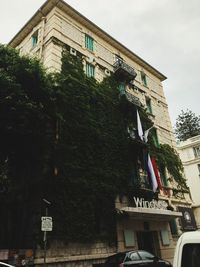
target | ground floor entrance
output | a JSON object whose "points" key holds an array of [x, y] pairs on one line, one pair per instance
{"points": [[148, 240]]}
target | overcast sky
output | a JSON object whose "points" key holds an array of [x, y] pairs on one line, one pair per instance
{"points": [[165, 33]]}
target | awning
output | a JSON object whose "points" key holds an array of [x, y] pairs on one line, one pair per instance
{"points": [[151, 214]]}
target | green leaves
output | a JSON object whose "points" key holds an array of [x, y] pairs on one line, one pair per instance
{"points": [[187, 125], [169, 158], [26, 137], [64, 137], [91, 154]]}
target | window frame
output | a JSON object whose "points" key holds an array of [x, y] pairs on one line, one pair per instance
{"points": [[196, 151], [89, 43], [173, 227], [34, 39], [122, 88], [149, 105], [90, 70], [163, 176], [155, 137], [118, 59], [143, 78], [198, 166]]}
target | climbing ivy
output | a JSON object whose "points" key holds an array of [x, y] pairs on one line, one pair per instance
{"points": [[168, 157], [64, 138], [91, 155]]}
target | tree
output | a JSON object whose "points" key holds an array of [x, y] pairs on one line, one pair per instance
{"points": [[26, 141], [187, 125]]}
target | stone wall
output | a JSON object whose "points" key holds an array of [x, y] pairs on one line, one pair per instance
{"points": [[60, 254]]}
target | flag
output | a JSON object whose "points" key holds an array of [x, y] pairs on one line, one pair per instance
{"points": [[139, 126], [146, 133], [151, 173], [155, 168]]}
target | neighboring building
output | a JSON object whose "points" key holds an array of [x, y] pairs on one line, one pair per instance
{"points": [[57, 26], [189, 151]]}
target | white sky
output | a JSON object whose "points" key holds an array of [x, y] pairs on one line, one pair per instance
{"points": [[165, 33]]}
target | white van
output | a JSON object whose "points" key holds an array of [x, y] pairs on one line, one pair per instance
{"points": [[187, 252]]}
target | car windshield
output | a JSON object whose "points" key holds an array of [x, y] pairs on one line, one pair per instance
{"points": [[191, 255]]}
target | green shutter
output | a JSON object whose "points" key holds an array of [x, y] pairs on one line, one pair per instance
{"points": [[121, 87], [149, 107], [144, 78], [89, 42], [34, 39], [90, 72], [163, 175], [155, 138]]}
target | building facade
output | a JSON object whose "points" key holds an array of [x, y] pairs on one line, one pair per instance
{"points": [[189, 151], [153, 225]]}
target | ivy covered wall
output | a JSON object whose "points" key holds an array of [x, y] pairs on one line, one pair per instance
{"points": [[64, 138]]}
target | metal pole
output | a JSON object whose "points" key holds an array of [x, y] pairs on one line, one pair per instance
{"points": [[45, 238]]}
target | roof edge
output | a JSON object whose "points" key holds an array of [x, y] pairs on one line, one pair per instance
{"points": [[48, 6]]}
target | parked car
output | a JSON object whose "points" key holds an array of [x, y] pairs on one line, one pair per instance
{"points": [[187, 252], [3, 264], [135, 258]]}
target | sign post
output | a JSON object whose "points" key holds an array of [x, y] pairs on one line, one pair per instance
{"points": [[46, 226]]}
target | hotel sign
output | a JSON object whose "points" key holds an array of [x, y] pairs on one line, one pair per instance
{"points": [[153, 204], [187, 220]]}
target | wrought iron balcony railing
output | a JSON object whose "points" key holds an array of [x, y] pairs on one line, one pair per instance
{"points": [[123, 71], [133, 99]]}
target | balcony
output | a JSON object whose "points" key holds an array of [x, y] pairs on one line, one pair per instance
{"points": [[133, 99], [123, 71]]}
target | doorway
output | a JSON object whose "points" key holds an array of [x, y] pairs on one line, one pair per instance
{"points": [[149, 241]]}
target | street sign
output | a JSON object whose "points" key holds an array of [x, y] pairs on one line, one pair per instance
{"points": [[46, 224]]}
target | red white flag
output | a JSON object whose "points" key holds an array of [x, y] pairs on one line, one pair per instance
{"points": [[152, 174], [155, 168]]}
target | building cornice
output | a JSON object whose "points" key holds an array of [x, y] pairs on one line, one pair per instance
{"points": [[50, 4], [192, 161], [189, 143]]}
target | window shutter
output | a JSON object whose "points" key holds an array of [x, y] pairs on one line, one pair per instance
{"points": [[89, 42]]}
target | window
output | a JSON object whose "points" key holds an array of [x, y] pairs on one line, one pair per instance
{"points": [[89, 42], [144, 78], [89, 70], [196, 151], [163, 177], [165, 237], [198, 168], [146, 255], [34, 39], [118, 59], [122, 88], [173, 227], [190, 255], [115, 260], [134, 256], [155, 137], [129, 238], [148, 104]]}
